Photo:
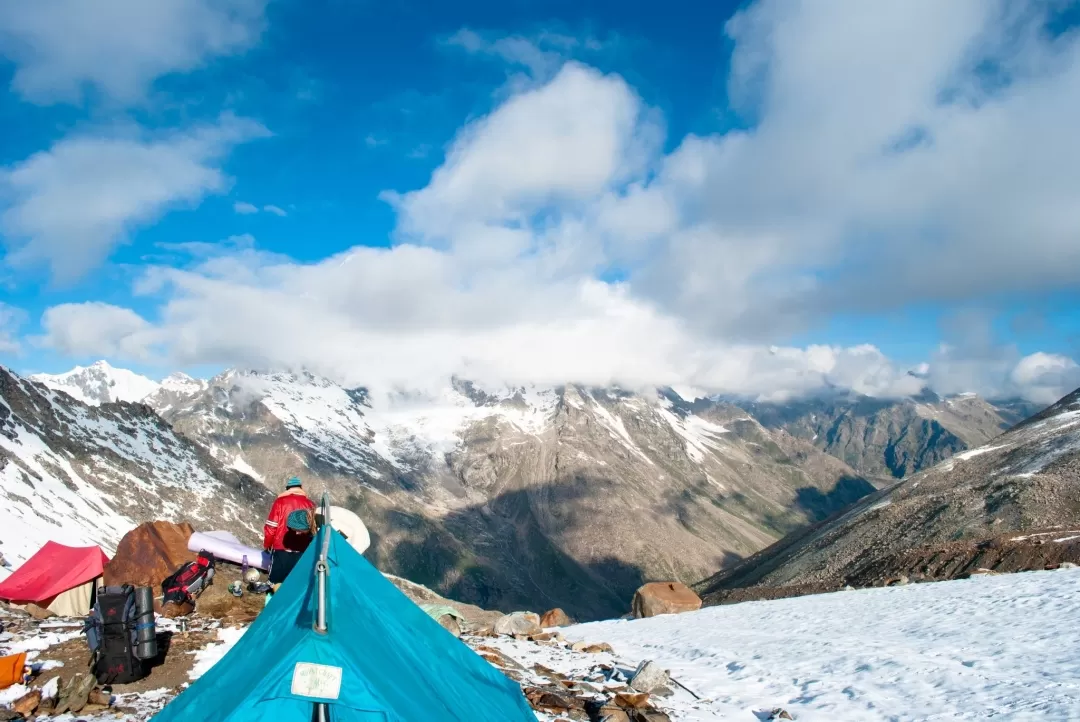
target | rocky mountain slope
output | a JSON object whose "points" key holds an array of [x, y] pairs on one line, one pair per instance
{"points": [[887, 438], [82, 474], [526, 497], [986, 500]]}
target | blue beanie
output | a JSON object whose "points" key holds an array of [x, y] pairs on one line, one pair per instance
{"points": [[293, 483]]}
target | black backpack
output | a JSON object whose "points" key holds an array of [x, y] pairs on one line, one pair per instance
{"points": [[112, 637]]}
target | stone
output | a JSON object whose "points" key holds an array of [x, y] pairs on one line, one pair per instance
{"points": [[555, 618], [779, 714], [450, 623], [1067, 565], [664, 598], [649, 677], [38, 612], [599, 648], [28, 703], [578, 646], [149, 553], [99, 697], [900, 581], [524, 623], [632, 700]]}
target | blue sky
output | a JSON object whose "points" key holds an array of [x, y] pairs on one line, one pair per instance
{"points": [[590, 191]]}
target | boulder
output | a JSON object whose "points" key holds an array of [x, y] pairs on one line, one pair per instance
{"points": [[555, 618], [28, 703], [523, 623], [664, 598], [650, 678], [149, 553]]}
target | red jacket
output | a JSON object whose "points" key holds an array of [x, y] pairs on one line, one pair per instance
{"points": [[276, 535]]}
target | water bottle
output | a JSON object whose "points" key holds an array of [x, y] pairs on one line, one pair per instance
{"points": [[145, 627]]}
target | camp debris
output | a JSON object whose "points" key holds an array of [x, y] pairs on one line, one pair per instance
{"points": [[336, 643], [77, 694], [58, 580]]}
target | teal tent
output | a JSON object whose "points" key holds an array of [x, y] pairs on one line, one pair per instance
{"points": [[381, 658]]}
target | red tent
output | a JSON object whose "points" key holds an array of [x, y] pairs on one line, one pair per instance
{"points": [[55, 569]]}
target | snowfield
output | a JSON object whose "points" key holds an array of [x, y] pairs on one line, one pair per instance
{"points": [[990, 647]]}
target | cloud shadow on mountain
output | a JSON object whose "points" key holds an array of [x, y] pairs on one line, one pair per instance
{"points": [[820, 505], [501, 554]]}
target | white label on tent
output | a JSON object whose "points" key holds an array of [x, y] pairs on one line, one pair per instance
{"points": [[316, 680]]}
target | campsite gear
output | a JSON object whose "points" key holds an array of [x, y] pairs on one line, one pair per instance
{"points": [[236, 589], [188, 582], [293, 483], [276, 533], [226, 547], [112, 635], [252, 576], [299, 520], [58, 578], [145, 627], [380, 657], [281, 564], [11, 669], [349, 525]]}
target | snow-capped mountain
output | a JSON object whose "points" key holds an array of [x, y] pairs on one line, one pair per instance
{"points": [[514, 497], [81, 474], [1018, 496], [100, 383]]}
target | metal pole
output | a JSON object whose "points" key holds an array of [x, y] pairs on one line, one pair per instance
{"points": [[321, 569]]}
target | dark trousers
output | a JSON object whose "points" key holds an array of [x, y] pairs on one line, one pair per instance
{"points": [[281, 563]]}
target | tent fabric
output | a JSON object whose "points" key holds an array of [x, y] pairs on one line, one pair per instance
{"points": [[53, 570], [75, 602], [396, 663]]}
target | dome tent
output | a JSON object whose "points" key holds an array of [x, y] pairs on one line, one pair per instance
{"points": [[381, 658]]}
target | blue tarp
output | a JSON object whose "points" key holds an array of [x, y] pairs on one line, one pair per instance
{"points": [[396, 663]]}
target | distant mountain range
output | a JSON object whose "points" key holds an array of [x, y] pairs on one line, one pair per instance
{"points": [[1007, 505], [566, 496]]}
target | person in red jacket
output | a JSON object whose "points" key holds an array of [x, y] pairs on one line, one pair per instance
{"points": [[283, 534]]}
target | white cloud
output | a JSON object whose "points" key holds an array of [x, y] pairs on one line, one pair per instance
{"points": [[11, 318], [280, 212], [244, 208], [70, 205], [542, 54], [97, 329], [118, 47], [879, 171]]}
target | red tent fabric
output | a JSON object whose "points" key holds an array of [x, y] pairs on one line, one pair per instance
{"points": [[53, 570]]}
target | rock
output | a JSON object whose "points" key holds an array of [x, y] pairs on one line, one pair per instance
{"points": [[664, 598], [149, 553], [599, 648], [632, 700], [899, 581], [28, 703], [9, 714], [524, 623], [555, 618], [778, 714], [99, 697], [1067, 565], [649, 677], [450, 623], [578, 646], [173, 610], [37, 612]]}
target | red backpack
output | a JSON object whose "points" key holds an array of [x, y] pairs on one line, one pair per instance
{"points": [[188, 582]]}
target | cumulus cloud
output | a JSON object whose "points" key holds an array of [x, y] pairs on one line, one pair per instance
{"points": [[541, 54], [559, 242], [97, 329], [118, 47], [69, 206]]}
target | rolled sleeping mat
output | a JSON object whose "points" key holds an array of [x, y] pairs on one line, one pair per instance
{"points": [[229, 551], [145, 627]]}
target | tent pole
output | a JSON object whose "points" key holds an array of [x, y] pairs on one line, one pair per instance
{"points": [[321, 568]]}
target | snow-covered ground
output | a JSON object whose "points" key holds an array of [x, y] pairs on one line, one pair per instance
{"points": [[991, 647]]}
